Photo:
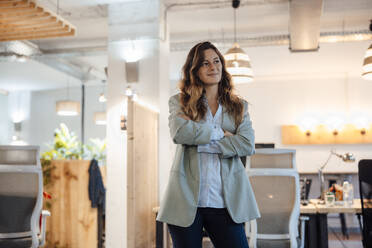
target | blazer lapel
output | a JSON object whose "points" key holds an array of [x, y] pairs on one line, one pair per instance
{"points": [[228, 123]]}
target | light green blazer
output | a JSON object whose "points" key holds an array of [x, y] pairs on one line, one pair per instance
{"points": [[180, 202]]}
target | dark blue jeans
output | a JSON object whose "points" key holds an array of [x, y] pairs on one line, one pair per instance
{"points": [[222, 230]]}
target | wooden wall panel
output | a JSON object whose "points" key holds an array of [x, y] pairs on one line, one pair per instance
{"points": [[73, 222], [292, 135], [142, 175]]}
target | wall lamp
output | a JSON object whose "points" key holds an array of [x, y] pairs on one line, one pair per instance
{"points": [[322, 134]]}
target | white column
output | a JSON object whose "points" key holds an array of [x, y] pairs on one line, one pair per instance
{"points": [[116, 193], [135, 26]]}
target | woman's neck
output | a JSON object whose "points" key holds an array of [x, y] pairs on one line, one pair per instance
{"points": [[211, 93]]}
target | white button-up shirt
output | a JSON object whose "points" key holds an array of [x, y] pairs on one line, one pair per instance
{"points": [[210, 194]]}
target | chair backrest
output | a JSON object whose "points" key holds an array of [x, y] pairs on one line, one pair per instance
{"points": [[271, 158], [275, 182], [21, 189], [365, 189]]}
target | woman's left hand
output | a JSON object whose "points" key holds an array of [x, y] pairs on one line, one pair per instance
{"points": [[227, 133]]}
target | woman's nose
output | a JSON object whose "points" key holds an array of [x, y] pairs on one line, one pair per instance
{"points": [[212, 67]]}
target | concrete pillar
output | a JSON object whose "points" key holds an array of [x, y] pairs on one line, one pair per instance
{"points": [[134, 26]]}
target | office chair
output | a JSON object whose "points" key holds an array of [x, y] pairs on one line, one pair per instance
{"points": [[275, 182], [365, 189], [21, 192]]}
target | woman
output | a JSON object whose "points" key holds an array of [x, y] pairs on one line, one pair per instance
{"points": [[208, 187]]}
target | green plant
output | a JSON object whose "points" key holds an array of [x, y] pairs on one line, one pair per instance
{"points": [[96, 150], [67, 146]]}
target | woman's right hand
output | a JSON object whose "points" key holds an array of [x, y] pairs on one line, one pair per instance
{"points": [[184, 117]]}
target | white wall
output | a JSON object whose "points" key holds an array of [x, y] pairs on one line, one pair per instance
{"points": [[276, 103], [4, 120], [289, 86], [44, 119]]}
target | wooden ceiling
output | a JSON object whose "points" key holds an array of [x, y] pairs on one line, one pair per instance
{"points": [[25, 20]]}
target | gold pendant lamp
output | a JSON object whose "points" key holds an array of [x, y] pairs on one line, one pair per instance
{"points": [[237, 61], [367, 63]]}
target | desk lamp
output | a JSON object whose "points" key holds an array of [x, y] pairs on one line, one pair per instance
{"points": [[347, 157]]}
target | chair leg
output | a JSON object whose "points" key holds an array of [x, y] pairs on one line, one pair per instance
{"points": [[302, 227], [344, 226], [361, 229], [44, 214]]}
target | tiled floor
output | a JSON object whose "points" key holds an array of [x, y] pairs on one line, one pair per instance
{"points": [[335, 240]]}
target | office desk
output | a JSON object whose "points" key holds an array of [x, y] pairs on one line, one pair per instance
{"points": [[315, 207], [317, 227]]}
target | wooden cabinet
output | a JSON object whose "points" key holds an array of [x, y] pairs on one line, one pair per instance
{"points": [[73, 222]]}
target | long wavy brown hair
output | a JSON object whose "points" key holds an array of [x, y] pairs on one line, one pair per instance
{"points": [[192, 88]]}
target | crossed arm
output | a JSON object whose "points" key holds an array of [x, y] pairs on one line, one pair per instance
{"points": [[188, 132]]}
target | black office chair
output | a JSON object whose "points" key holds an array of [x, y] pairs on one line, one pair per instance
{"points": [[365, 188], [305, 185]]}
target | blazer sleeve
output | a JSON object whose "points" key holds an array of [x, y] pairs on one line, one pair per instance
{"points": [[242, 142], [183, 131]]}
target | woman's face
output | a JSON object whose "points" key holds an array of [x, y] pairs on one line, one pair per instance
{"points": [[210, 72]]}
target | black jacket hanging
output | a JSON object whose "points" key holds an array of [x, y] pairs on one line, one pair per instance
{"points": [[97, 191]]}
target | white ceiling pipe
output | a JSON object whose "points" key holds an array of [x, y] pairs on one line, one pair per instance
{"points": [[277, 40]]}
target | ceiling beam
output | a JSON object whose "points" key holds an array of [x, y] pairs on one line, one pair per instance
{"points": [[23, 3], [55, 59], [24, 17], [64, 66], [25, 12], [304, 24], [24, 23], [33, 28], [75, 52], [38, 36], [32, 25], [16, 9], [275, 40], [14, 34]]}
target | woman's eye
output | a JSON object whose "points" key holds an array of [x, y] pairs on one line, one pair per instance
{"points": [[205, 64], [216, 61]]}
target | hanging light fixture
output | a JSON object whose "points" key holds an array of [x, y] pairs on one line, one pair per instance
{"points": [[100, 118], [68, 107], [367, 63], [128, 91], [237, 61], [102, 97]]}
